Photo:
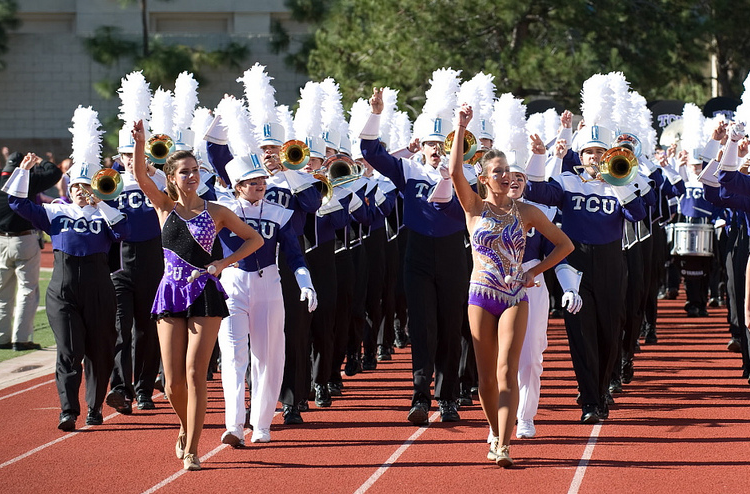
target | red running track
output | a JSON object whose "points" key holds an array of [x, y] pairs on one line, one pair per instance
{"points": [[682, 425]]}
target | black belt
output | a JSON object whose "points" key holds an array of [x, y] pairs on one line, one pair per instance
{"points": [[17, 234]]}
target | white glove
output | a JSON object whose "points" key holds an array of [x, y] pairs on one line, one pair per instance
{"points": [[572, 302], [444, 172], [311, 297], [371, 130], [730, 160], [624, 193], [708, 175], [442, 192], [18, 184], [112, 215], [216, 132], [535, 167], [711, 150], [642, 183]]}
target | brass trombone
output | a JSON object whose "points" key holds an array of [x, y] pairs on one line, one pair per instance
{"points": [[323, 186], [470, 145], [158, 148], [294, 154]]}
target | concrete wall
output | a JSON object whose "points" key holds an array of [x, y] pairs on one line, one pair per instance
{"points": [[48, 72]]}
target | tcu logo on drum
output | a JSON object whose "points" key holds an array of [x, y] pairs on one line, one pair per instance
{"points": [[594, 204], [81, 225], [280, 197], [134, 200]]}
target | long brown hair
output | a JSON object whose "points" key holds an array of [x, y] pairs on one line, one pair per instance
{"points": [[486, 158], [169, 168]]}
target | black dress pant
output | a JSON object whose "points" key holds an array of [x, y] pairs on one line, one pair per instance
{"points": [[81, 309], [386, 334], [344, 293], [137, 349], [594, 331], [322, 264], [359, 297], [738, 246], [436, 283], [375, 244], [295, 384], [467, 366]]}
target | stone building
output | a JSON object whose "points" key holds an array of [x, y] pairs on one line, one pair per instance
{"points": [[49, 73]]}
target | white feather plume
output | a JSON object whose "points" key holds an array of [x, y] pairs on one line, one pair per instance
{"points": [[390, 98], [358, 116], [162, 112], [486, 88], [400, 130], [710, 124], [535, 125], [240, 130], [308, 119], [185, 101], [135, 97], [621, 112], [551, 124], [509, 123], [597, 102], [644, 127], [87, 137], [441, 97], [332, 112], [259, 94], [692, 127], [742, 113], [202, 119], [284, 115], [470, 93]]}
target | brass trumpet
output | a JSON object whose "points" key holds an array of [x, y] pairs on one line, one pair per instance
{"points": [[107, 184], [341, 169], [158, 148], [470, 145], [294, 154], [323, 186]]}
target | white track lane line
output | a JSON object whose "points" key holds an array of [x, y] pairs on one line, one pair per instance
{"points": [[587, 453], [27, 389], [203, 458], [395, 456], [59, 439]]}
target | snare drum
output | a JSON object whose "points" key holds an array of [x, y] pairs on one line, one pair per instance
{"points": [[690, 239]]}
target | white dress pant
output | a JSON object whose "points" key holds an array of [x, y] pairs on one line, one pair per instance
{"points": [[530, 364], [20, 262], [256, 315]]}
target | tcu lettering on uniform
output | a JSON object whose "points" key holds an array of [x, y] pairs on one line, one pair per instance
{"points": [[531, 232], [422, 189], [134, 200], [174, 272], [694, 192], [280, 197], [81, 225], [594, 204], [267, 229]]}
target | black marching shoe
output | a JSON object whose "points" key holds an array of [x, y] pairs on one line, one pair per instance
{"points": [[145, 402], [384, 353], [615, 386], [292, 415], [627, 370], [22, 346], [419, 413], [303, 406], [734, 345], [334, 389], [651, 338], [603, 410], [448, 411], [369, 362], [120, 402], [353, 365], [94, 416], [589, 414], [322, 396], [67, 422], [464, 398]]}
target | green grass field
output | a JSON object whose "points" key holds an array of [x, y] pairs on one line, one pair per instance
{"points": [[42, 332]]}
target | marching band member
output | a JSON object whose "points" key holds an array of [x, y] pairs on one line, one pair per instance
{"points": [[498, 305], [190, 302], [81, 298], [255, 304], [592, 216], [435, 272], [141, 264]]}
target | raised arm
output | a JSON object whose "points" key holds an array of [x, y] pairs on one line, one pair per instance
{"points": [[470, 201], [162, 203]]}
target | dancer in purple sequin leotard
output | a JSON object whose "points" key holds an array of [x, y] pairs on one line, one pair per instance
{"points": [[189, 303], [498, 307]]}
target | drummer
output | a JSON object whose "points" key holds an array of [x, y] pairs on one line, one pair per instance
{"points": [[695, 266]]}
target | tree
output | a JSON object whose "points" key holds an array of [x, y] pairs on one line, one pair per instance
{"points": [[8, 21], [540, 48]]}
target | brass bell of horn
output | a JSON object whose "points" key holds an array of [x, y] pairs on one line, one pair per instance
{"points": [[470, 144], [341, 169], [107, 184], [323, 186], [294, 154], [158, 148], [618, 166]]}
